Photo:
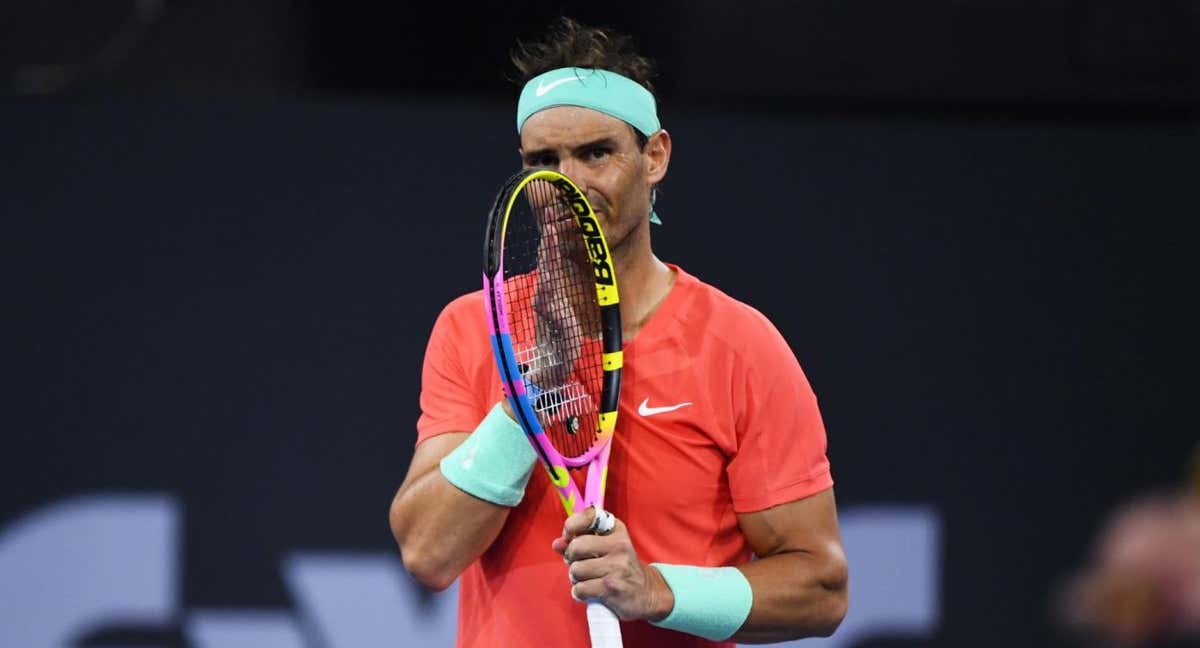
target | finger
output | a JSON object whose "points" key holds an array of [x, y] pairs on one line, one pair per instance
{"points": [[589, 589], [586, 547], [618, 527], [583, 570], [579, 523]]}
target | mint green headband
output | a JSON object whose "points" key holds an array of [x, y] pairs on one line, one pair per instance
{"points": [[601, 90]]}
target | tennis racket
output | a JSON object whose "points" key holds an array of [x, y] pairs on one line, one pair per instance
{"points": [[555, 324]]}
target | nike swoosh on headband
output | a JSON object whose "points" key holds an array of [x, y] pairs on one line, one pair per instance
{"points": [[543, 88]]}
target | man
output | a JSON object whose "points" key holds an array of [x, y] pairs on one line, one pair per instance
{"points": [[720, 452]]}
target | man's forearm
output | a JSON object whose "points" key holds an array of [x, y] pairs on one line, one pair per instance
{"points": [[796, 594], [440, 528]]}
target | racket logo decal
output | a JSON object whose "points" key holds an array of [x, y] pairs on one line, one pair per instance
{"points": [[596, 248]]}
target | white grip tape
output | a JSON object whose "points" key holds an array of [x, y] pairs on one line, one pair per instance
{"points": [[603, 626], [603, 522]]}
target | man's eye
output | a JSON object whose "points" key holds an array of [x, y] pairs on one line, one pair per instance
{"points": [[597, 153]]}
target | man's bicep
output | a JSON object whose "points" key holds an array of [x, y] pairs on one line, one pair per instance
{"points": [[454, 390], [800, 580], [807, 525]]}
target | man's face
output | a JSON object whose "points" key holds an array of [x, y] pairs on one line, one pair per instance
{"points": [[600, 154]]}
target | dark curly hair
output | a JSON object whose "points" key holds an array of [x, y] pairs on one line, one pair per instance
{"points": [[567, 43]]}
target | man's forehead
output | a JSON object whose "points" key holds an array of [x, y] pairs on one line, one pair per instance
{"points": [[569, 126]]}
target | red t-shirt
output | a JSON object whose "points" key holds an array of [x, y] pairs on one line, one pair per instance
{"points": [[716, 418]]}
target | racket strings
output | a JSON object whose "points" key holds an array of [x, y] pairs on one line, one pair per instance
{"points": [[554, 316], [538, 361], [564, 402]]}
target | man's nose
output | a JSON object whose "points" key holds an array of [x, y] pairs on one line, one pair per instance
{"points": [[575, 171]]}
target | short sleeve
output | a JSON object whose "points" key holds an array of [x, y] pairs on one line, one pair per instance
{"points": [[451, 400], [781, 440]]}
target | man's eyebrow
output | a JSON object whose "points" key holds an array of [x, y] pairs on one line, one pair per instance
{"points": [[536, 153], [608, 142]]}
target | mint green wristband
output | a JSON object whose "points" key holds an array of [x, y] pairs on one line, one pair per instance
{"points": [[710, 602], [494, 463]]}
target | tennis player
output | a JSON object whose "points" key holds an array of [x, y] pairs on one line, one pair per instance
{"points": [[727, 529]]}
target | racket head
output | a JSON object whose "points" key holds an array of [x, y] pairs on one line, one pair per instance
{"points": [[554, 312]]}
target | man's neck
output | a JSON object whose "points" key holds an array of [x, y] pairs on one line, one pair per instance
{"points": [[642, 281]]}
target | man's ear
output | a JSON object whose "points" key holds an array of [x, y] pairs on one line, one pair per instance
{"points": [[658, 153]]}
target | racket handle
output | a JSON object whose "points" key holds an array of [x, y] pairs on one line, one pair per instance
{"points": [[603, 626]]}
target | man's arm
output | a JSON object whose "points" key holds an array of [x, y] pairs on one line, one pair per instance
{"points": [[799, 581], [440, 528]]}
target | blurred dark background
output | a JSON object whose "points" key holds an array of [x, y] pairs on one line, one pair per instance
{"points": [[1055, 59], [229, 227]]}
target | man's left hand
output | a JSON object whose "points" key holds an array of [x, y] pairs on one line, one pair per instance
{"points": [[606, 568]]}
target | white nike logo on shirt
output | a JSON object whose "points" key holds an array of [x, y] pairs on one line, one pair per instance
{"points": [[544, 87], [645, 410]]}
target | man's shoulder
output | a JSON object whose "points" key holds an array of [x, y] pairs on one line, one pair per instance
{"points": [[467, 305], [460, 333], [724, 311], [741, 329]]}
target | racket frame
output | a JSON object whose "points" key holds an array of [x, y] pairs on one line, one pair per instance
{"points": [[607, 297]]}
